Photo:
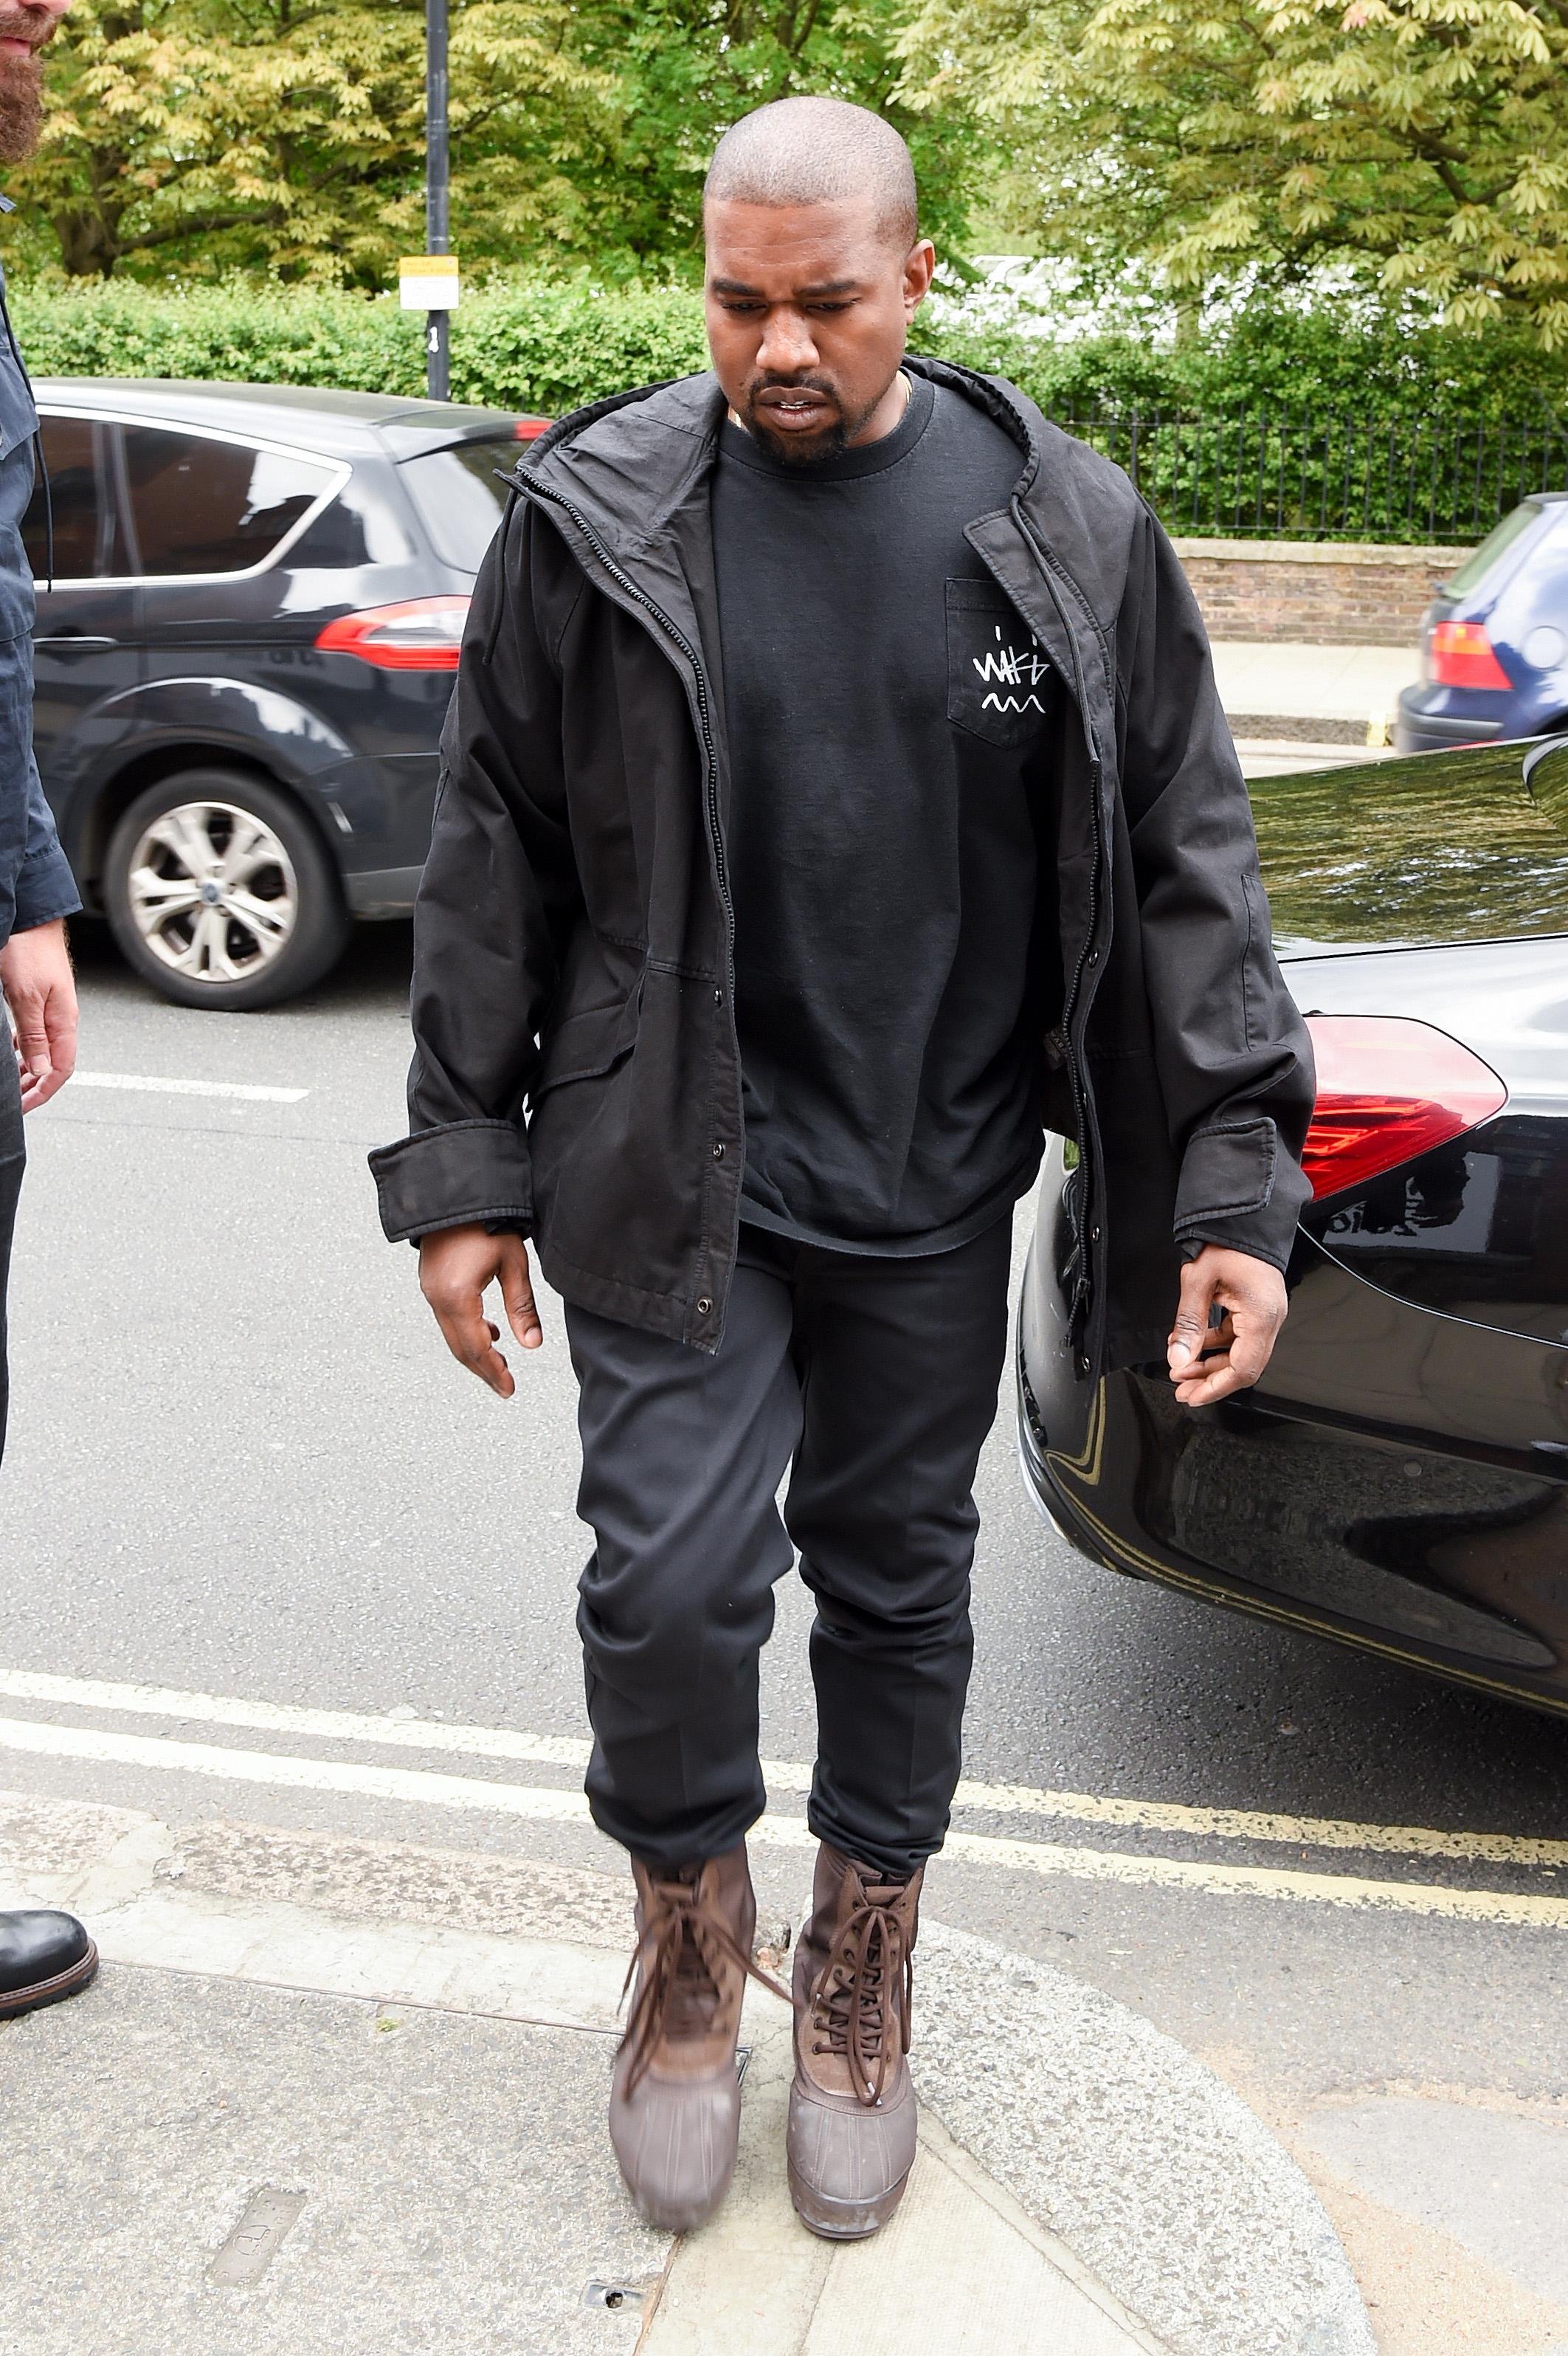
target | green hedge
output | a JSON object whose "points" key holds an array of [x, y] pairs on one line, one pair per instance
{"points": [[546, 349], [1271, 358], [551, 348]]}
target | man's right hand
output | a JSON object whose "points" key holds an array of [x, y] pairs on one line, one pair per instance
{"points": [[456, 1267], [38, 987]]}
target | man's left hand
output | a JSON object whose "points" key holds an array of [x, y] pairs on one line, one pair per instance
{"points": [[40, 991], [1207, 1363]]}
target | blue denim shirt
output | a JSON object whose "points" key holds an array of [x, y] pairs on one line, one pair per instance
{"points": [[36, 881]]}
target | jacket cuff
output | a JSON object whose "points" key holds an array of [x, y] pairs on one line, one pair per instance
{"points": [[468, 1172], [46, 888], [1240, 1187]]}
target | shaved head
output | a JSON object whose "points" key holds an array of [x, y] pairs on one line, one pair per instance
{"points": [[814, 268], [818, 151]]}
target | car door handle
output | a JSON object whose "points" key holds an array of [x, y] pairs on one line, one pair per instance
{"points": [[74, 642]]}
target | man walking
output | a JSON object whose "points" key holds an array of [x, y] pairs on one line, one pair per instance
{"points": [[43, 1954], [835, 795]]}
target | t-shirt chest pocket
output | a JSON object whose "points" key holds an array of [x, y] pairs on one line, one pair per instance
{"points": [[998, 675]]}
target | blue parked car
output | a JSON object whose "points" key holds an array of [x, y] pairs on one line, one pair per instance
{"points": [[1494, 643]]}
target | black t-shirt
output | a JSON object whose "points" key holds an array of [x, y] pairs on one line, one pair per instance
{"points": [[887, 711]]}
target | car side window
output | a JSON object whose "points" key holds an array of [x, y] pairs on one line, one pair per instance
{"points": [[201, 506], [87, 542]]}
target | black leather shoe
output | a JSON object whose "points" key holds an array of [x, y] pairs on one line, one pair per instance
{"points": [[43, 1957]]}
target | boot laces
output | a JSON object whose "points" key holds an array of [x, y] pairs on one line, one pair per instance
{"points": [[866, 1996], [685, 1944]]}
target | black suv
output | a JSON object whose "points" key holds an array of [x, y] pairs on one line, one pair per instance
{"points": [[250, 600]]}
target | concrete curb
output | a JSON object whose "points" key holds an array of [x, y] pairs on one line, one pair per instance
{"points": [[1131, 2166], [1147, 2165]]}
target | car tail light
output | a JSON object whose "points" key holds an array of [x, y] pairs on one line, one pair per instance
{"points": [[529, 429], [1389, 1089], [1461, 655], [419, 634]]}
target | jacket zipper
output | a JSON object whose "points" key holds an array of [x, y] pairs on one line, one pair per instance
{"points": [[622, 580], [536, 489], [1083, 1237]]}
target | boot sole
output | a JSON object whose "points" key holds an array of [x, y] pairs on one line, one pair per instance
{"points": [[844, 2221], [14, 2001]]}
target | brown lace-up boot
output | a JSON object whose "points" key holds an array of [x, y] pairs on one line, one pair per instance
{"points": [[675, 2099], [852, 2107]]}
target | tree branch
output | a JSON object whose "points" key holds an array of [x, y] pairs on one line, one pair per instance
{"points": [[199, 225]]}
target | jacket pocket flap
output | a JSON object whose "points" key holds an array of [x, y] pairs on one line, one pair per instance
{"points": [[585, 1044]]}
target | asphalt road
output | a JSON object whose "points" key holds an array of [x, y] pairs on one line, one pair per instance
{"points": [[243, 1466]]}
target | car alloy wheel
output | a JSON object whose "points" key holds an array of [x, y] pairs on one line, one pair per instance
{"points": [[221, 892], [213, 892]]}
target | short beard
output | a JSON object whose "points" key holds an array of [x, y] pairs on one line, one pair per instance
{"points": [[785, 449], [21, 107]]}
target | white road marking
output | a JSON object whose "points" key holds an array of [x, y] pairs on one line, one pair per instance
{"points": [[284, 1718], [297, 1775], [474, 1793], [248, 1092], [782, 1775]]}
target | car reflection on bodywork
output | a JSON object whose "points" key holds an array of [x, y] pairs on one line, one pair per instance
{"points": [[1494, 642], [1399, 1479]]}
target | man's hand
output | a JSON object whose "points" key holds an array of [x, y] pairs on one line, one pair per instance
{"points": [[40, 991], [1209, 1363], [456, 1267]]}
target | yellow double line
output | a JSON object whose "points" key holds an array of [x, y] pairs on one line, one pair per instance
{"points": [[427, 1788]]}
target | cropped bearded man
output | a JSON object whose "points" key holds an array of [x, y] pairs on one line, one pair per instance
{"points": [[835, 795]]}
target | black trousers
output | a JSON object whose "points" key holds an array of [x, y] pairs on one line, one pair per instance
{"points": [[13, 1157], [873, 1383]]}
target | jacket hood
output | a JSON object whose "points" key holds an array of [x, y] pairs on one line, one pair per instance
{"points": [[630, 463]]}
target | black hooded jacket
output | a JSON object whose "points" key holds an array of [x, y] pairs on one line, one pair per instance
{"points": [[576, 1074]]}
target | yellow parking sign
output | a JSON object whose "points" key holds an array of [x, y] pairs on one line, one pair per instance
{"points": [[428, 281]]}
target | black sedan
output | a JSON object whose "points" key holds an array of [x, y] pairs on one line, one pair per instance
{"points": [[250, 600], [1399, 1479]]}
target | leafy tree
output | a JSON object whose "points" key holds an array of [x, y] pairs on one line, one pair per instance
{"points": [[1427, 137], [283, 132], [290, 133], [690, 67]]}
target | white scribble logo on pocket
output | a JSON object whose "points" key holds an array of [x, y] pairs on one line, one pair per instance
{"points": [[1005, 666]]}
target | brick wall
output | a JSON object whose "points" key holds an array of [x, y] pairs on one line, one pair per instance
{"points": [[1326, 592]]}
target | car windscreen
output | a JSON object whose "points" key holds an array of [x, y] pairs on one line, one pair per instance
{"points": [[1435, 848], [458, 496]]}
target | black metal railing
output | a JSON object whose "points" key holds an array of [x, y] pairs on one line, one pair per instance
{"points": [[1328, 473]]}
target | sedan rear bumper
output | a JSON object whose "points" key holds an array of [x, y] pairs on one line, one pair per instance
{"points": [[1400, 1481]]}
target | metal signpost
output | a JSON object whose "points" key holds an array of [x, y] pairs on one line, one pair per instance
{"points": [[428, 281], [437, 191]]}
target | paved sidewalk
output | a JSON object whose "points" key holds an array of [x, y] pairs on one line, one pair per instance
{"points": [[1266, 683], [346, 2096]]}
